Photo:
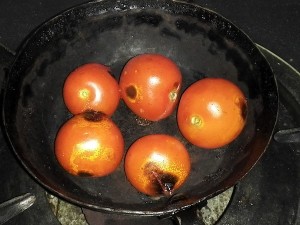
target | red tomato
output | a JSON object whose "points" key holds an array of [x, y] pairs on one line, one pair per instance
{"points": [[91, 87], [157, 164], [212, 112], [89, 144], [149, 86]]}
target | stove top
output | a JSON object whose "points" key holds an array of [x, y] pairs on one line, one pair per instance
{"points": [[268, 195]]}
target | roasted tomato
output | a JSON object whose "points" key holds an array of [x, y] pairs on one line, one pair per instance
{"points": [[149, 86], [91, 87], [157, 164], [89, 144], [212, 112]]}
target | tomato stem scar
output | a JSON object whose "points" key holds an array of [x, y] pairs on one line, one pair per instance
{"points": [[83, 93], [173, 95], [196, 121]]}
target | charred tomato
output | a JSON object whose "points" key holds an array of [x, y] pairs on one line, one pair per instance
{"points": [[89, 144], [212, 112], [91, 87], [157, 164], [150, 84]]}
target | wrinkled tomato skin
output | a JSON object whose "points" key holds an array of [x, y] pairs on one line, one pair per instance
{"points": [[91, 87], [212, 113], [157, 160], [89, 144], [150, 84]]}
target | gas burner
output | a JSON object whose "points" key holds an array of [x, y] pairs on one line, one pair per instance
{"points": [[67, 213]]}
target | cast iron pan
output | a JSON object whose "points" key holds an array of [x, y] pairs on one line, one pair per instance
{"points": [[201, 42]]}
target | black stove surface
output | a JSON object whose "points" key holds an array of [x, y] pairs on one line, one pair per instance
{"points": [[270, 193]]}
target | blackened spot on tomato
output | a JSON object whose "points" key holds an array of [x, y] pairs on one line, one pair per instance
{"points": [[169, 181], [131, 92], [162, 182], [242, 104], [84, 174], [93, 116], [244, 109], [176, 85]]}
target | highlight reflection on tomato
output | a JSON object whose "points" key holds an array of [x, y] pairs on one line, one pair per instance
{"points": [[212, 112], [89, 144], [91, 87], [157, 164], [150, 84]]}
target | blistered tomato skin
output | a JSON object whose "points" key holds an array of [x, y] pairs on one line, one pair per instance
{"points": [[91, 87], [150, 84], [157, 164], [212, 113], [89, 144]]}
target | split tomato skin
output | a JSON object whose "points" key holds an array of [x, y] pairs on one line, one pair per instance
{"points": [[149, 85], [212, 112], [89, 144], [91, 87], [157, 164]]}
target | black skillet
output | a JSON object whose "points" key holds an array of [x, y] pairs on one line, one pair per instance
{"points": [[201, 42]]}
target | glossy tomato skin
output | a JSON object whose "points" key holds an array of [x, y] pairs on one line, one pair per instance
{"points": [[150, 84], [89, 144], [91, 87], [212, 113], [157, 164]]}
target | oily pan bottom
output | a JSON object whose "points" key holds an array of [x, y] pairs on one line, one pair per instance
{"points": [[202, 44]]}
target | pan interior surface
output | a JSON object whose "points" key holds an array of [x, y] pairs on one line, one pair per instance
{"points": [[202, 43]]}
